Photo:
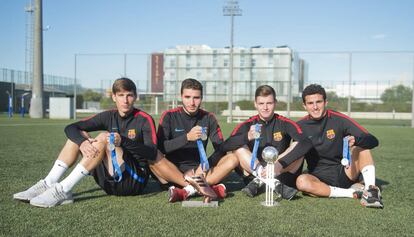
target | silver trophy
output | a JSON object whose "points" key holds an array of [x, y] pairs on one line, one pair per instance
{"points": [[270, 155]]}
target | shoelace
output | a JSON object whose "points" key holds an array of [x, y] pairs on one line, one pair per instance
{"points": [[199, 181], [39, 186], [57, 194]]}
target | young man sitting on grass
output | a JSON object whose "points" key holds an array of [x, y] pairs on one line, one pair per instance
{"points": [[327, 176], [128, 137]]}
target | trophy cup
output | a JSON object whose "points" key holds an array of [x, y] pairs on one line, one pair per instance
{"points": [[270, 155]]}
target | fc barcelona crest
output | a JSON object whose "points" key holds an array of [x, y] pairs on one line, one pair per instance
{"points": [[330, 134], [277, 136], [131, 133]]}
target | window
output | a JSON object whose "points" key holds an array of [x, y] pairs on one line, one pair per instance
{"points": [[242, 74], [226, 62], [253, 62]]}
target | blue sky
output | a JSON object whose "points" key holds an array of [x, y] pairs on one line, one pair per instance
{"points": [[133, 26]]}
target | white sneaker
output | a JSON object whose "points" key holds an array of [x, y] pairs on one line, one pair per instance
{"points": [[32, 192], [52, 197], [358, 187]]}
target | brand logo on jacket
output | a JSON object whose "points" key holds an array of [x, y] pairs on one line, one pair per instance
{"points": [[179, 130]]}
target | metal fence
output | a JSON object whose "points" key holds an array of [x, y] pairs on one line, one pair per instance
{"points": [[23, 80], [358, 78]]}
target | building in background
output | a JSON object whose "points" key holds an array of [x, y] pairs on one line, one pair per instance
{"points": [[156, 83], [252, 67]]}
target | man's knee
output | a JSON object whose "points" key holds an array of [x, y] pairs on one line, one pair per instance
{"points": [[158, 160], [70, 144], [102, 137], [362, 155], [239, 152], [303, 182], [232, 158]]}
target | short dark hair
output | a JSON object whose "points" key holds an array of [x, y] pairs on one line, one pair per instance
{"points": [[124, 83], [265, 90], [191, 83], [313, 89]]}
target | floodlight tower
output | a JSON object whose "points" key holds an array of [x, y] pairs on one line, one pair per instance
{"points": [[36, 102], [231, 9], [28, 66]]}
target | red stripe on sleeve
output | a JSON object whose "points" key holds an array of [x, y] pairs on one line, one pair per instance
{"points": [[298, 129], [220, 134], [148, 117], [241, 124], [348, 118], [168, 111]]}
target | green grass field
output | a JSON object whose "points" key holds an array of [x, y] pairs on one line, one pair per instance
{"points": [[28, 148]]}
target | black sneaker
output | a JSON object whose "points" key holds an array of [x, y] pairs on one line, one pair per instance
{"points": [[286, 192], [372, 197], [253, 187]]}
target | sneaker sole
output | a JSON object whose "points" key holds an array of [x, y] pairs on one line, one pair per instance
{"points": [[372, 205], [70, 201], [21, 199]]}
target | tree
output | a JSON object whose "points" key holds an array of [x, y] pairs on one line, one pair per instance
{"points": [[397, 94], [331, 96], [90, 95]]}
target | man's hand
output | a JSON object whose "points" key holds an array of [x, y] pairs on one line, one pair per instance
{"points": [[87, 149], [194, 134], [277, 169], [252, 132], [351, 141], [117, 138], [87, 136]]}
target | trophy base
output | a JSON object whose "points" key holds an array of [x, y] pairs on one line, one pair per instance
{"points": [[267, 204], [199, 204]]}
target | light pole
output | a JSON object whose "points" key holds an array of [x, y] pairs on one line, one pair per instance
{"points": [[74, 89], [37, 103], [231, 9]]}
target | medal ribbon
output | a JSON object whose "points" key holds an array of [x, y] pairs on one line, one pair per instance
{"points": [[115, 165], [202, 152], [346, 153], [255, 147], [116, 168]]}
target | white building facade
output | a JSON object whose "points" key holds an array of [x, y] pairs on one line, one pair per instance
{"points": [[252, 67]]}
